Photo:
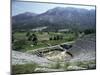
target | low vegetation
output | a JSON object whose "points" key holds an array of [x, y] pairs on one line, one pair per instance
{"points": [[23, 41], [56, 65], [24, 68], [87, 64], [74, 65]]}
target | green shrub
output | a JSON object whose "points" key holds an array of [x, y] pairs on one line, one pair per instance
{"points": [[81, 64], [66, 65], [56, 65], [84, 64], [59, 65], [70, 39]]}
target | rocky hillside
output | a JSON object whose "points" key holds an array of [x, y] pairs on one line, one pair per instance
{"points": [[25, 58]]}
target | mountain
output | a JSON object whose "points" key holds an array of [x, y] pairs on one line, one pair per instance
{"points": [[23, 17], [56, 18]]}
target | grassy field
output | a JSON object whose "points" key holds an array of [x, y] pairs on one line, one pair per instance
{"points": [[44, 39]]}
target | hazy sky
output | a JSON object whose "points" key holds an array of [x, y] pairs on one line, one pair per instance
{"points": [[21, 7]]}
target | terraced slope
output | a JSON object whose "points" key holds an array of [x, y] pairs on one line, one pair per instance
{"points": [[55, 59], [24, 58], [84, 48]]}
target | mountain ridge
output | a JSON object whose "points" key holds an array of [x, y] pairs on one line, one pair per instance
{"points": [[59, 16]]}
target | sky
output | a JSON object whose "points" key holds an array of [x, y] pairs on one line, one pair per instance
{"points": [[21, 7]]}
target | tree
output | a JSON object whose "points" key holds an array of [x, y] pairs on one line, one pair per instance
{"points": [[33, 35], [89, 31], [34, 39], [28, 34], [30, 38], [55, 38], [13, 38], [19, 45], [50, 38]]}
